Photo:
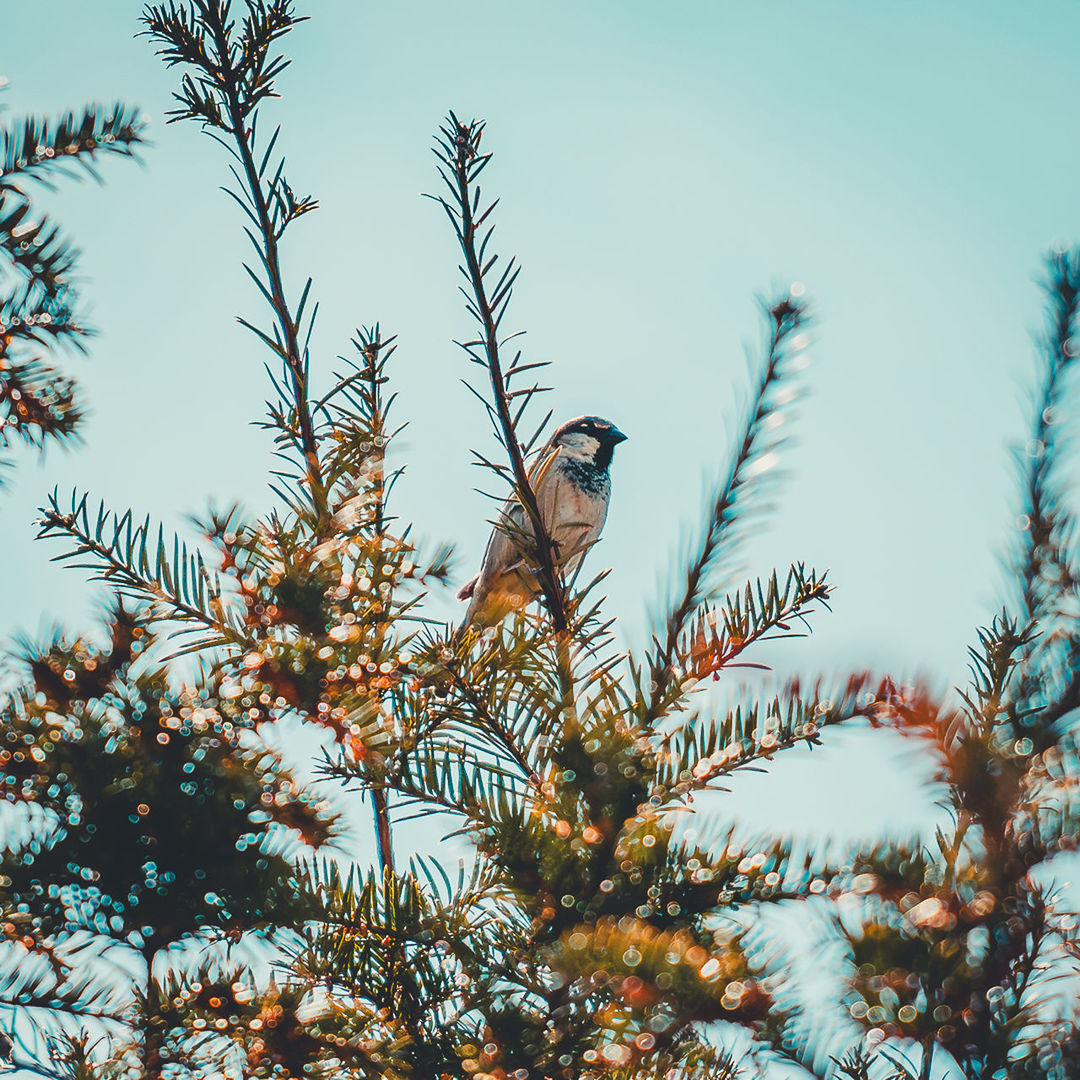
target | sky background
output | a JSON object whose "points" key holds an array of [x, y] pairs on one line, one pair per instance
{"points": [[659, 166]]}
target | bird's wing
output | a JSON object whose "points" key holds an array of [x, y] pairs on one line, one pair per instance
{"points": [[503, 548], [503, 554], [548, 483], [501, 586]]}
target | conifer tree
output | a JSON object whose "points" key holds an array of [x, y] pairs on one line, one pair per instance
{"points": [[560, 753], [590, 935]]}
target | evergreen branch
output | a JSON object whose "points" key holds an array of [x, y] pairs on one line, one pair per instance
{"points": [[433, 770], [176, 583], [1044, 507], [992, 667], [36, 149], [489, 725], [35, 1068], [760, 611], [381, 808], [36, 402], [26, 316], [437, 777], [753, 457], [1045, 569], [501, 701], [381, 926], [702, 751], [695, 1062], [34, 249], [235, 72], [355, 416], [222, 1020], [1047, 688], [735, 870], [45, 986], [37, 304], [459, 153], [358, 429], [288, 326], [373, 945]]}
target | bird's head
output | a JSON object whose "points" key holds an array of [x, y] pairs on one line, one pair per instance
{"points": [[588, 438]]}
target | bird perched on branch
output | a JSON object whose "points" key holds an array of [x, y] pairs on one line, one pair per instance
{"points": [[572, 485]]}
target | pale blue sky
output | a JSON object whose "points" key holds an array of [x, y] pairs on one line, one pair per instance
{"points": [[659, 164]]}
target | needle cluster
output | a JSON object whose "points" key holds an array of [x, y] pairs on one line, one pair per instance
{"points": [[39, 305]]}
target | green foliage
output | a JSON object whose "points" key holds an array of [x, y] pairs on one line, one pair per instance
{"points": [[38, 300], [155, 817], [112, 754], [539, 736], [964, 946]]}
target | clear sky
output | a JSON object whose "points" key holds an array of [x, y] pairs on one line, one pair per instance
{"points": [[659, 164]]}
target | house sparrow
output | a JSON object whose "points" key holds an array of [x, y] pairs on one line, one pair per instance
{"points": [[572, 486]]}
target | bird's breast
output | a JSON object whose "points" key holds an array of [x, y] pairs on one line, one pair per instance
{"points": [[585, 478]]}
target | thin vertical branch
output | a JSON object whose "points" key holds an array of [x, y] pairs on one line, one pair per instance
{"points": [[372, 344], [288, 327], [463, 158], [1042, 512], [928, 1045], [785, 317], [150, 1019], [382, 830]]}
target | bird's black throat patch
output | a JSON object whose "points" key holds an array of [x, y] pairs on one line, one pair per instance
{"points": [[591, 477], [602, 458]]}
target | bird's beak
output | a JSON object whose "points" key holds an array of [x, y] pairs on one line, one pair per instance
{"points": [[615, 436]]}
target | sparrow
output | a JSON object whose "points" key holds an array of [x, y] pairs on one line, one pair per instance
{"points": [[572, 485]]}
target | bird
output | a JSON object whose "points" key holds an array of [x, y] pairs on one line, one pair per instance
{"points": [[572, 484]]}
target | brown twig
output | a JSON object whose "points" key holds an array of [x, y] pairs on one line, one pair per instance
{"points": [[287, 327], [464, 158], [382, 830]]}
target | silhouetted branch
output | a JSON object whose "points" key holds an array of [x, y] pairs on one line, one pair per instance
{"points": [[458, 150], [785, 318]]}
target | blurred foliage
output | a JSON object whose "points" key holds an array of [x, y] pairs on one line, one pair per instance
{"points": [[38, 297], [168, 903], [971, 946]]}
